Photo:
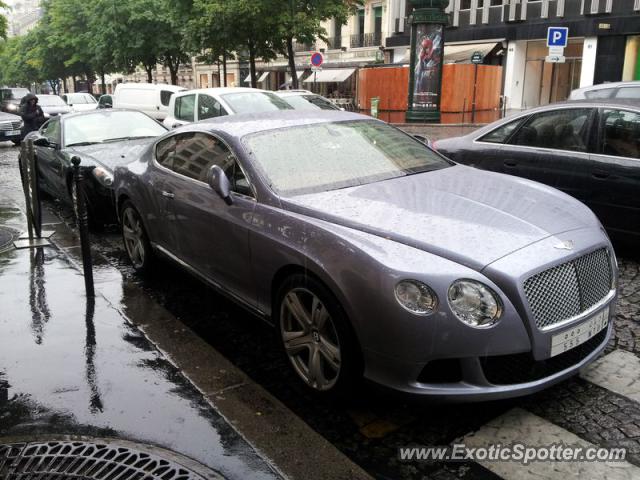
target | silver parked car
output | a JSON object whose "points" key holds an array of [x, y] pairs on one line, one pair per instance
{"points": [[373, 255], [626, 90]]}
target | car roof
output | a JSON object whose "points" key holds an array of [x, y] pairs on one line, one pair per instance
{"points": [[151, 86], [602, 86], [221, 90], [100, 111], [247, 123], [294, 93]]}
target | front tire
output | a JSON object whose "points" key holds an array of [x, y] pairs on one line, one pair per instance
{"points": [[316, 337], [134, 236]]}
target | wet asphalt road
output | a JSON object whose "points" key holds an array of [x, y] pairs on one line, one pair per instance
{"points": [[371, 427]]}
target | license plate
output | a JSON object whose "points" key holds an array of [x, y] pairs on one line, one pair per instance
{"points": [[578, 335], [12, 133]]}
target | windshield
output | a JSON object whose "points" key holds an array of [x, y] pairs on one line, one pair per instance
{"points": [[109, 126], [80, 98], [329, 156], [309, 102], [14, 93], [255, 102], [51, 101]]}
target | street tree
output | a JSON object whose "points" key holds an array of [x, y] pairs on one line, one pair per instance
{"points": [[301, 20], [4, 24]]}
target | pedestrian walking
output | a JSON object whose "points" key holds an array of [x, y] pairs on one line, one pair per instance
{"points": [[31, 113]]}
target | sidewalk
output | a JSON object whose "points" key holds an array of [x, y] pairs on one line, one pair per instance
{"points": [[125, 368]]}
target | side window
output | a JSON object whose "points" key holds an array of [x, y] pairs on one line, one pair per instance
{"points": [[502, 133], [165, 97], [599, 93], [628, 92], [209, 107], [620, 133], [51, 130], [165, 151], [185, 107], [564, 129], [196, 153]]}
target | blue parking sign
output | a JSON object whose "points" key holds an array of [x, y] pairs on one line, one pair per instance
{"points": [[557, 36]]}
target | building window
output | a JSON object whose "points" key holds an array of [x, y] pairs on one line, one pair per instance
{"points": [[465, 4]]}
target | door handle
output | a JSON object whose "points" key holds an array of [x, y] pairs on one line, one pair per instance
{"points": [[510, 163], [167, 194], [599, 174]]}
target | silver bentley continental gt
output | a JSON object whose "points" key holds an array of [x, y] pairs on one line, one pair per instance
{"points": [[374, 256]]}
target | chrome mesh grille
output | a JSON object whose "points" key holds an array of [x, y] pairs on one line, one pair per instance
{"points": [[567, 290], [7, 126]]}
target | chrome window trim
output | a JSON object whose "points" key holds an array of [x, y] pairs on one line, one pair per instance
{"points": [[198, 182]]}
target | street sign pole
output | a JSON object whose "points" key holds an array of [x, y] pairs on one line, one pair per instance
{"points": [[476, 59]]}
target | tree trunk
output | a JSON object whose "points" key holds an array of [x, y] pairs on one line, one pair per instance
{"points": [[292, 63], [103, 86], [252, 64], [173, 71], [64, 84], [149, 70], [224, 68]]}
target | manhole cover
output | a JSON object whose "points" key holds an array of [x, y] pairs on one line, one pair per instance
{"points": [[6, 238], [82, 460]]}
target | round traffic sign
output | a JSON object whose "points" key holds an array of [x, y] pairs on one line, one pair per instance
{"points": [[317, 59]]}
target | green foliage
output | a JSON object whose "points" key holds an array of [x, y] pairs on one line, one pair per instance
{"points": [[84, 38]]}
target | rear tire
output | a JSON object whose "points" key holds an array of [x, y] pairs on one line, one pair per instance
{"points": [[136, 241], [317, 338]]}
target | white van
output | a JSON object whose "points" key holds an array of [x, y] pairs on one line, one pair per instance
{"points": [[150, 98]]}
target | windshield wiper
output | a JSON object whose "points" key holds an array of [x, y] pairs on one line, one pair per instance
{"points": [[119, 139], [81, 144]]}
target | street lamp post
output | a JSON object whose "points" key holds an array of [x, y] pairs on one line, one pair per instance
{"points": [[427, 51]]}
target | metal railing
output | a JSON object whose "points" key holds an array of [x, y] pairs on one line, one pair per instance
{"points": [[373, 39]]}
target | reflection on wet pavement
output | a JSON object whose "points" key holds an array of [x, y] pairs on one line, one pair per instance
{"points": [[68, 366]]}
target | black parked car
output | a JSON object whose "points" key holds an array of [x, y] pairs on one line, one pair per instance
{"points": [[590, 150], [103, 139]]}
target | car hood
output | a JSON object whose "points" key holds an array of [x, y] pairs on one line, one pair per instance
{"points": [[110, 155], [469, 216], [4, 116]]}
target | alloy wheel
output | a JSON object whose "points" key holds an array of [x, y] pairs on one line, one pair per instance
{"points": [[310, 338], [133, 237]]}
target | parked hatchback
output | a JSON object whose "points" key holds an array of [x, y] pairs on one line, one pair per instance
{"points": [[373, 255], [590, 150], [630, 90], [80, 101], [195, 105]]}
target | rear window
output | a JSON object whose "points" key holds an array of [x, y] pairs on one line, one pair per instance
{"points": [[255, 102], [628, 92], [599, 93], [165, 97]]}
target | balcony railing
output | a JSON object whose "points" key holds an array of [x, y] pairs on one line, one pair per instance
{"points": [[373, 39]]}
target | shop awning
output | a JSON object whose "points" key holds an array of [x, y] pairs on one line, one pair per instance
{"points": [[330, 75], [263, 77], [462, 53]]}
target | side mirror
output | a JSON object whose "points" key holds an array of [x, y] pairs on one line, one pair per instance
{"points": [[42, 142], [220, 184], [422, 139]]}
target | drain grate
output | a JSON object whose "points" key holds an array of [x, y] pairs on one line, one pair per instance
{"points": [[69, 460]]}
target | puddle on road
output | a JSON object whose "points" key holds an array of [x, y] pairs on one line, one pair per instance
{"points": [[72, 367]]}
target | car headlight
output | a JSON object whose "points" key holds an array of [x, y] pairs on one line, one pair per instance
{"points": [[12, 107], [104, 176], [416, 297], [474, 304]]}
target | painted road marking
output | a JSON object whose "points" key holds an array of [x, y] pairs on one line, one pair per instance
{"points": [[618, 371], [520, 426]]}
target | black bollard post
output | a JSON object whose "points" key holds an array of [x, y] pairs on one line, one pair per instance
{"points": [[83, 226]]}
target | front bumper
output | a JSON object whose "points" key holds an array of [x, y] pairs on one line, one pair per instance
{"points": [[479, 372]]}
